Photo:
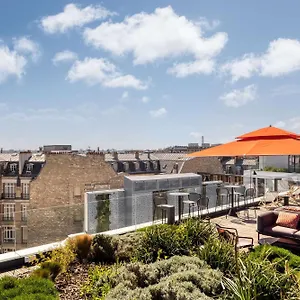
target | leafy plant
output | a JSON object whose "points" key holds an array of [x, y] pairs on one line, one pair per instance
{"points": [[27, 288], [276, 255], [175, 278], [82, 246], [219, 255], [102, 249], [164, 241], [103, 212], [258, 280]]}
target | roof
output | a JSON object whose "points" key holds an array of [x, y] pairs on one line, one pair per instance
{"points": [[144, 156], [268, 132], [162, 176], [9, 156], [209, 165]]}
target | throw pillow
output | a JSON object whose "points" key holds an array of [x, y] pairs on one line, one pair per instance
{"points": [[288, 220]]}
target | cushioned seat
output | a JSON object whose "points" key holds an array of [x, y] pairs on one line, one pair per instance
{"points": [[280, 230], [297, 234]]}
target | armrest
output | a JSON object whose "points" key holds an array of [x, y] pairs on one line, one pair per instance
{"points": [[229, 228], [266, 220]]}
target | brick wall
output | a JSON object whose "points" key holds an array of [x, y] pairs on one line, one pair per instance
{"points": [[57, 194]]}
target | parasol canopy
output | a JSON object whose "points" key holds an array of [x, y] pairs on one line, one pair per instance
{"points": [[262, 142]]}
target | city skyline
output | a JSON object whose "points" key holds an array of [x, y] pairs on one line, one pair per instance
{"points": [[145, 75]]}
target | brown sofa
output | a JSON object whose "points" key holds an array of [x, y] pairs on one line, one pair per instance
{"points": [[266, 225]]}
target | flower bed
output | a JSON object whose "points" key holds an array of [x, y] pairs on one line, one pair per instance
{"points": [[184, 261]]}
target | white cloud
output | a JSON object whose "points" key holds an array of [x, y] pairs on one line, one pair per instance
{"points": [[196, 135], [158, 113], [101, 71], [125, 95], [24, 45], [158, 35], [280, 124], [73, 16], [194, 67], [145, 99], [11, 63], [282, 57], [237, 98], [208, 25], [64, 56]]}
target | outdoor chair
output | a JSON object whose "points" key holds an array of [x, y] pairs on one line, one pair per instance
{"points": [[240, 193], [231, 235], [223, 195], [200, 201]]}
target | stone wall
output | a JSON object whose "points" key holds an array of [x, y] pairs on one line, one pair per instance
{"points": [[57, 194]]}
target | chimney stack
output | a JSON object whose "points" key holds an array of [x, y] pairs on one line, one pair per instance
{"points": [[115, 155], [23, 157], [137, 155], [202, 140]]}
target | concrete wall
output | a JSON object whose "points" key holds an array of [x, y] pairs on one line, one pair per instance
{"points": [[274, 161], [57, 195]]}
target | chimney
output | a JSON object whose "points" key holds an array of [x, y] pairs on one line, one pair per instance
{"points": [[98, 149], [137, 155], [202, 140], [1, 150], [115, 155], [23, 156]]}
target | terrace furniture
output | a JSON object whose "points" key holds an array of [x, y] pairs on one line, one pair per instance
{"points": [[199, 200], [280, 242], [180, 196], [279, 224], [231, 235], [223, 194], [232, 211], [167, 213], [191, 204]]}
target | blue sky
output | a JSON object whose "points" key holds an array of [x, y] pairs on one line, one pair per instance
{"points": [[146, 74]]}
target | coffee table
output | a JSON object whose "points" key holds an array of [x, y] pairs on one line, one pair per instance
{"points": [[280, 242]]}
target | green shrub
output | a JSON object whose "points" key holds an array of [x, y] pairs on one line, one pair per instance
{"points": [[102, 249], [164, 241], [259, 280], [82, 246], [219, 255], [27, 288], [48, 269], [176, 278], [276, 255], [125, 245]]}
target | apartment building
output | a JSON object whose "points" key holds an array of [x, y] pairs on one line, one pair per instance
{"points": [[17, 171]]}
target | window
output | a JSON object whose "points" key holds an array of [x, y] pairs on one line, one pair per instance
{"points": [[9, 190], [13, 167], [8, 234], [24, 212], [25, 190], [24, 233], [8, 212], [29, 167], [5, 250]]}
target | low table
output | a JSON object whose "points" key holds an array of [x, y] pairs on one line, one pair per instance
{"points": [[280, 242]]}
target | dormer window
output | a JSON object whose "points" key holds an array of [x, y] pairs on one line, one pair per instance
{"points": [[29, 167], [13, 168]]}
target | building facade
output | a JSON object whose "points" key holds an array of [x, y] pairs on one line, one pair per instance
{"points": [[17, 171]]}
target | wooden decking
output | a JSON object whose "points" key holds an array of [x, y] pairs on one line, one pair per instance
{"points": [[244, 225]]}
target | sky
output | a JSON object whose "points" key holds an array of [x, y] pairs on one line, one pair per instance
{"points": [[146, 74]]}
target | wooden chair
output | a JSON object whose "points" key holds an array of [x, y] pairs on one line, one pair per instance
{"points": [[231, 235]]}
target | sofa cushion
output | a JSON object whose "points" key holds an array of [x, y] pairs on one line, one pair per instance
{"points": [[297, 234], [277, 230], [289, 220]]}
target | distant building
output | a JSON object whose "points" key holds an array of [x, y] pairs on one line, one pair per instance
{"points": [[17, 172], [57, 148]]}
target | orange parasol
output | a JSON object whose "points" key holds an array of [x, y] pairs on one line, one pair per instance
{"points": [[263, 142]]}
